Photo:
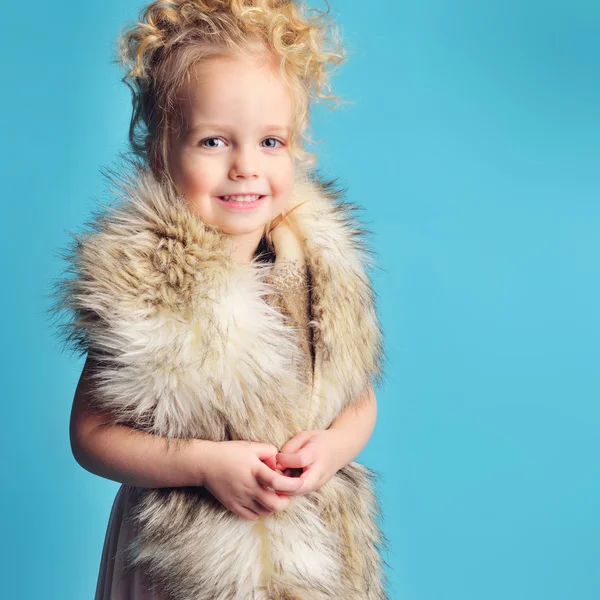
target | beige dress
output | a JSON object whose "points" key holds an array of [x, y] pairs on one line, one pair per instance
{"points": [[113, 582]]}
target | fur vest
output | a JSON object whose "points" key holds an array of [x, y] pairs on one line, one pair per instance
{"points": [[188, 347]]}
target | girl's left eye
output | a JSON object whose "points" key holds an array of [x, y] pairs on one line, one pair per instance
{"points": [[274, 140]]}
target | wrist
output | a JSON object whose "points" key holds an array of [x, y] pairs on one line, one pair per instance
{"points": [[198, 460], [340, 455]]}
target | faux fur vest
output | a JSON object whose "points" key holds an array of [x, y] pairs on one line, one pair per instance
{"points": [[189, 347]]}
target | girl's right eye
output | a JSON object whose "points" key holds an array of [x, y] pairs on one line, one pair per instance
{"points": [[203, 142]]}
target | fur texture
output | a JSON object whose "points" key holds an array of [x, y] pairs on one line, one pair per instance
{"points": [[188, 347]]}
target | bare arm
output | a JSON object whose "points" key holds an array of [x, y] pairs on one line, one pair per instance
{"points": [[130, 456], [354, 426], [235, 472]]}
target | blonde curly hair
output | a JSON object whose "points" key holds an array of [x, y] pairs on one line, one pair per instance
{"points": [[171, 36]]}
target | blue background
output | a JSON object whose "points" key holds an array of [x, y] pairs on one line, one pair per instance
{"points": [[473, 144]]}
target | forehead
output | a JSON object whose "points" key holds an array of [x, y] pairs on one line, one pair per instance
{"points": [[237, 92]]}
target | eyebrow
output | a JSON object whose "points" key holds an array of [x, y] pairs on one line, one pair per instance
{"points": [[200, 126]]}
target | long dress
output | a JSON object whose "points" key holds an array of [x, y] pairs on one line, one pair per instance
{"points": [[114, 583]]}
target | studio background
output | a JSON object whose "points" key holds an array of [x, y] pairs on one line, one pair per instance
{"points": [[473, 145]]}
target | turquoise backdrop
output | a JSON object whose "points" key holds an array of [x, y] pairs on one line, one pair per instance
{"points": [[473, 144]]}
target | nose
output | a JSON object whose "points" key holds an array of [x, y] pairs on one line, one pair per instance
{"points": [[244, 165]]}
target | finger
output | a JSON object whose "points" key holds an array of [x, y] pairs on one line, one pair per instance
{"points": [[259, 508], [271, 462], [247, 513], [302, 489], [277, 481], [263, 450], [297, 441], [299, 460], [310, 477], [271, 500], [310, 481]]}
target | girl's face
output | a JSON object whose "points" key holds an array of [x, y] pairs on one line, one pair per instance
{"points": [[237, 115]]}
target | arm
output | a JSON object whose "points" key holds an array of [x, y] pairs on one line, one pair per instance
{"points": [[124, 454], [235, 472], [352, 429]]}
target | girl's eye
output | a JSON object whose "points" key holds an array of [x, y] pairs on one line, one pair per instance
{"points": [[203, 142], [273, 140]]}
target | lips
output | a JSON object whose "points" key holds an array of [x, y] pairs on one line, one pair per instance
{"points": [[241, 202], [241, 197]]}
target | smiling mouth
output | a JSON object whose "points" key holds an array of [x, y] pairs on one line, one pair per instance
{"points": [[242, 198]]}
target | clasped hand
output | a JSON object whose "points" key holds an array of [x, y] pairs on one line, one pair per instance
{"points": [[254, 479], [313, 452]]}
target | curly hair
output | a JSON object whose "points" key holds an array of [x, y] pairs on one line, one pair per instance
{"points": [[171, 36]]}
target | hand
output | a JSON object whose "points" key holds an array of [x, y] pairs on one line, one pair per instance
{"points": [[313, 451], [237, 476]]}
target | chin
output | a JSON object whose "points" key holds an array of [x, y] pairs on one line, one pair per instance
{"points": [[242, 230], [243, 226], [247, 224]]}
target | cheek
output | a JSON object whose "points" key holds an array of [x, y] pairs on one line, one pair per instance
{"points": [[285, 181], [198, 179], [193, 176]]}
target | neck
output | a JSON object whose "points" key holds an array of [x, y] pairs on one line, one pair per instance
{"points": [[244, 246]]}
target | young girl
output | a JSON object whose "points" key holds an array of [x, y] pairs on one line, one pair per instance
{"points": [[229, 324]]}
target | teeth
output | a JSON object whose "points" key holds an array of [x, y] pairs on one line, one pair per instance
{"points": [[242, 198]]}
